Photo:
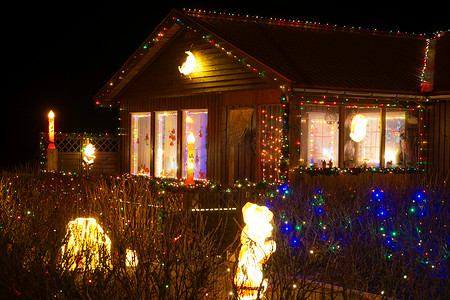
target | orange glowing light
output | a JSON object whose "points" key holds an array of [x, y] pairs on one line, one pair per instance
{"points": [[190, 160], [257, 246], [189, 65], [51, 130]]}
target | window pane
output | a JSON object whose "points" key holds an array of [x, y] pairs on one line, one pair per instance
{"points": [[195, 121], [401, 138], [362, 137], [140, 144], [319, 136], [166, 144]]}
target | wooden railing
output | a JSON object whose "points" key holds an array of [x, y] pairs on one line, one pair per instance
{"points": [[70, 145]]}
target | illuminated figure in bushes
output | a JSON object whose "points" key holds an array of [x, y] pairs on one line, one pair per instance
{"points": [[87, 246], [256, 249]]}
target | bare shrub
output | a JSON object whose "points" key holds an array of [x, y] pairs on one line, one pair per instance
{"points": [[335, 237]]}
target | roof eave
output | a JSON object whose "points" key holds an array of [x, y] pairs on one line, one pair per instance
{"points": [[360, 93], [160, 36]]}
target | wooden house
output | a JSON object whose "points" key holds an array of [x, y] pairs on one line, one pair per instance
{"points": [[264, 97]]}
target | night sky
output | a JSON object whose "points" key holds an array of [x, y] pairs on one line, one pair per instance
{"points": [[60, 53]]}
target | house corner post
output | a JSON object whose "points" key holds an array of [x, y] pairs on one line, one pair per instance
{"points": [[52, 159]]}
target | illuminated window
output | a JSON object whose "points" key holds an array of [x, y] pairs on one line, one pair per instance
{"points": [[366, 150], [195, 121], [166, 144], [401, 138], [140, 143], [320, 136]]}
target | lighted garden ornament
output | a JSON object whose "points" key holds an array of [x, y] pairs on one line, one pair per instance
{"points": [[51, 130], [89, 154], [257, 246], [88, 246], [358, 128], [189, 65], [52, 152]]}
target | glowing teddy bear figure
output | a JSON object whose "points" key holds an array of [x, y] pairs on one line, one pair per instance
{"points": [[255, 251], [87, 244]]}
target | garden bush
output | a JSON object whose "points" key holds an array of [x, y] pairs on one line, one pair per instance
{"points": [[338, 236]]}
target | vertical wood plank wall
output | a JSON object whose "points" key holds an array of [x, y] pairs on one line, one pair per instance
{"points": [[437, 121]]}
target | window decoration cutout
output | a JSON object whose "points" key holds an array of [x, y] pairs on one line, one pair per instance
{"points": [[166, 144], [140, 143], [358, 128], [366, 152], [195, 122]]}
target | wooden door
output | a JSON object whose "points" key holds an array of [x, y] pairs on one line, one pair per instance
{"points": [[241, 145]]}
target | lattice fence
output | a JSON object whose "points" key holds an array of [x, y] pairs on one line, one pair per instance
{"points": [[70, 147]]}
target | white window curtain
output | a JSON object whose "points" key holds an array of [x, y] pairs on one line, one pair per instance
{"points": [[166, 144], [140, 143], [323, 138], [195, 121]]}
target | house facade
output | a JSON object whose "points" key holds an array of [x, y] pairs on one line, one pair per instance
{"points": [[263, 97]]}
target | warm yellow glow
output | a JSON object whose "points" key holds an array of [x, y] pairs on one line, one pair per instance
{"points": [[255, 251], [51, 129], [391, 156], [131, 259], [188, 66], [191, 138], [89, 154], [189, 120], [358, 128], [190, 159], [88, 247]]}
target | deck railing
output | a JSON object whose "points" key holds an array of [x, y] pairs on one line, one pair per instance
{"points": [[70, 145]]}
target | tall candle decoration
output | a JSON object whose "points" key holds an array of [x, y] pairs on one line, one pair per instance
{"points": [[190, 159], [51, 130]]}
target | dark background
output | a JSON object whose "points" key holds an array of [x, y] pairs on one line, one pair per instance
{"points": [[59, 54]]}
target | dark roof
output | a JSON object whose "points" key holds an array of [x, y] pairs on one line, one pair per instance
{"points": [[311, 55], [442, 64], [326, 56]]}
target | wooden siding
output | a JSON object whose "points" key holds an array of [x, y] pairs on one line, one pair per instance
{"points": [[217, 104], [215, 72], [70, 159], [219, 81], [437, 136]]}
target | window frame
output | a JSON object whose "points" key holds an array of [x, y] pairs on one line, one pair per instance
{"points": [[132, 142], [183, 138], [343, 113]]}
